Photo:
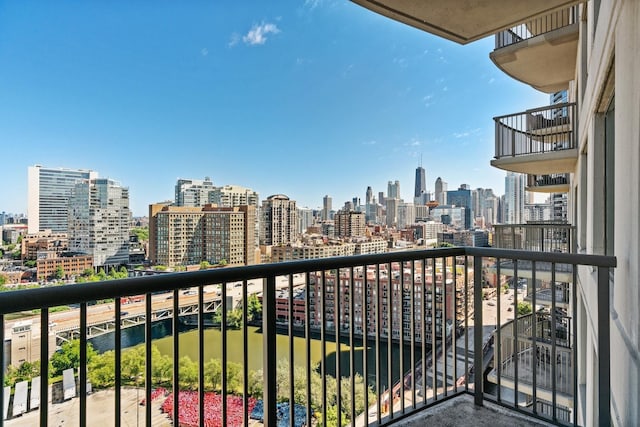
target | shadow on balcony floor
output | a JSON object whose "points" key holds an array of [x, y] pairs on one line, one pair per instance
{"points": [[460, 411]]}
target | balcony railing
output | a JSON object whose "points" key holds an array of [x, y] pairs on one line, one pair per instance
{"points": [[553, 183], [383, 379], [537, 131], [538, 26], [544, 237]]}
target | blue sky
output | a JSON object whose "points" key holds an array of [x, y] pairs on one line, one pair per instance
{"points": [[301, 98]]}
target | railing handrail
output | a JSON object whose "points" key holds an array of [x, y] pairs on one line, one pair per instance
{"points": [[29, 299], [537, 110]]}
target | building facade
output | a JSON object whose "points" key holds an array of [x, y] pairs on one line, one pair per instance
{"points": [[99, 219], [279, 220], [48, 192]]}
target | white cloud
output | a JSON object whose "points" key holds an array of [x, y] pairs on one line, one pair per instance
{"points": [[491, 80], [466, 133], [234, 40], [401, 62], [372, 142], [312, 4], [204, 51], [257, 35]]}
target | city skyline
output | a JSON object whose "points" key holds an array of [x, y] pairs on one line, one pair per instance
{"points": [[298, 99]]}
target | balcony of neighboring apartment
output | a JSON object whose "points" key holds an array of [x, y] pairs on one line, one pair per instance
{"points": [[553, 183], [540, 141], [540, 52], [534, 363], [273, 372], [464, 21]]}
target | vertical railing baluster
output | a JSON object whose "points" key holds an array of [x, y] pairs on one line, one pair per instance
{"points": [[604, 349], [352, 354], [401, 336], [390, 299], [147, 365], [307, 339], [2, 362], [225, 355], [175, 324], [117, 347], [515, 351], [269, 393], [82, 368], [245, 354], [498, 353], [292, 381], [454, 337], [323, 344], [337, 318], [44, 366], [534, 347], [378, 353], [573, 337], [554, 350], [477, 331], [201, 385]]}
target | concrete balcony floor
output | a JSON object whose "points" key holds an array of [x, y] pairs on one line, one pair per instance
{"points": [[460, 411]]}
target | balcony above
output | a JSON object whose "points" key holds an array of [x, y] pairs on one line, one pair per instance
{"points": [[463, 21], [539, 237], [554, 183], [540, 141], [540, 52]]}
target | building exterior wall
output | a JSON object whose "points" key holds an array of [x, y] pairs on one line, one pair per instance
{"points": [[73, 265]]}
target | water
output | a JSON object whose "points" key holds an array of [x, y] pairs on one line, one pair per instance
{"points": [[161, 332]]}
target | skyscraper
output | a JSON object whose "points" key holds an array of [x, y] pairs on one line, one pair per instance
{"points": [[369, 196], [326, 208], [279, 220], [441, 191], [48, 192], [393, 190], [513, 198], [98, 222], [421, 182], [462, 198]]}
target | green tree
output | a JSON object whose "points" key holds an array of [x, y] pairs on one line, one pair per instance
{"points": [[254, 308], [68, 357], [30, 263], [524, 308], [161, 367], [188, 370], [204, 265], [25, 372], [3, 280], [142, 233], [102, 370], [59, 273], [132, 365], [102, 275], [223, 262]]}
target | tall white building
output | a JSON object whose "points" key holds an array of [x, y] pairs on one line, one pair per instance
{"points": [[441, 188], [194, 192], [514, 198], [326, 207], [406, 215], [99, 219], [48, 191], [229, 196], [305, 219]]}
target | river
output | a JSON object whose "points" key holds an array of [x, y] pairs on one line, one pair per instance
{"points": [[188, 343]]}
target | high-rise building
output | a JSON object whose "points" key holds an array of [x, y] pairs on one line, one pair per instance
{"points": [[392, 211], [350, 224], [441, 191], [369, 196], [279, 220], [229, 196], [48, 193], [406, 215], [189, 235], [462, 198], [194, 192], [98, 222], [421, 182], [393, 190], [326, 208], [305, 219], [514, 198]]}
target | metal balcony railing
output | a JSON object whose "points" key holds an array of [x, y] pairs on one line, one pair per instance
{"points": [[539, 236], [538, 26], [385, 375], [536, 131], [539, 181]]}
